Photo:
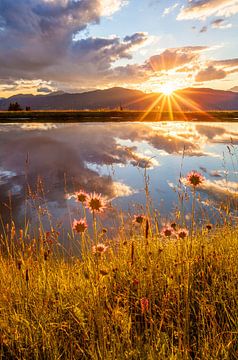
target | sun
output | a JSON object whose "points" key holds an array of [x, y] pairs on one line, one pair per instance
{"points": [[167, 89]]}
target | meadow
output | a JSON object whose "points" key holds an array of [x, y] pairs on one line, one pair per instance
{"points": [[151, 292], [114, 115]]}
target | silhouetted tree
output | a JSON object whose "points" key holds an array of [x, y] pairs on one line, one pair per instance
{"points": [[14, 107], [28, 108]]}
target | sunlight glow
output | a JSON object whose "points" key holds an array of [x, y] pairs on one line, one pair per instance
{"points": [[168, 89]]}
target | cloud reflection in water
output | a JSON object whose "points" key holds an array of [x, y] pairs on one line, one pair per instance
{"points": [[105, 158]]}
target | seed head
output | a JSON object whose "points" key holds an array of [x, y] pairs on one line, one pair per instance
{"points": [[144, 304], [209, 227], [139, 219], [173, 225]]}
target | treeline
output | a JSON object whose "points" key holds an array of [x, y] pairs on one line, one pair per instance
{"points": [[15, 106]]}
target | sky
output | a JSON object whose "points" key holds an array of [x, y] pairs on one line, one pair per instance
{"points": [[150, 45]]}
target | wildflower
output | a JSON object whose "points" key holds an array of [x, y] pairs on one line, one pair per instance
{"points": [[81, 196], [51, 236], [167, 231], [194, 178], [209, 227], [173, 225], [103, 272], [144, 304], [19, 264], [182, 233], [139, 219], [80, 225], [135, 282], [95, 203], [46, 254], [99, 249]]}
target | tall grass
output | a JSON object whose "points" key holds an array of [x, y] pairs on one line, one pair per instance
{"points": [[146, 296]]}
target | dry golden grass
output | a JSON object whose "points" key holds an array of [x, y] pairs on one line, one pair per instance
{"points": [[146, 297]]}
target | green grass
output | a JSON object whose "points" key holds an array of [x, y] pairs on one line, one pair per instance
{"points": [[89, 307], [114, 116]]}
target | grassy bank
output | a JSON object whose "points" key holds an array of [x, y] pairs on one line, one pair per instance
{"points": [[115, 116], [147, 295]]}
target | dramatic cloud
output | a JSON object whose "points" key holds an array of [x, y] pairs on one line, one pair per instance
{"points": [[201, 9], [44, 39], [210, 73], [226, 63], [175, 57], [46, 45], [78, 162]]}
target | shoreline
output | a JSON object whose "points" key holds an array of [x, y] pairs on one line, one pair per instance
{"points": [[68, 116]]}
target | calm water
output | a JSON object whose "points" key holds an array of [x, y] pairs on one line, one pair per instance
{"points": [[57, 160]]}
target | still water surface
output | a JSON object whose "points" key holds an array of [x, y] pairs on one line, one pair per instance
{"points": [[113, 159]]}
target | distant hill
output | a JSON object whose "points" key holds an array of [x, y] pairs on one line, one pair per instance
{"points": [[187, 99], [235, 88]]}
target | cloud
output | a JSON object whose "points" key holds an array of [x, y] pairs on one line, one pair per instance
{"points": [[202, 9], [109, 7], [217, 69], [220, 24], [78, 153], [175, 57], [71, 161], [210, 131], [45, 90], [221, 191], [44, 44], [25, 85], [226, 63], [210, 73], [170, 9], [42, 36], [203, 29]]}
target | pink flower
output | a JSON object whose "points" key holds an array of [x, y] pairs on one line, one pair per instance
{"points": [[167, 231], [81, 196], [139, 219], [99, 249], [144, 304], [80, 225], [95, 203], [194, 178], [182, 233], [135, 282]]}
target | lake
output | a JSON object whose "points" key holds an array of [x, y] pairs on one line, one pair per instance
{"points": [[42, 165]]}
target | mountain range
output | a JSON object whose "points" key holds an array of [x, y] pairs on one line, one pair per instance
{"points": [[114, 98]]}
